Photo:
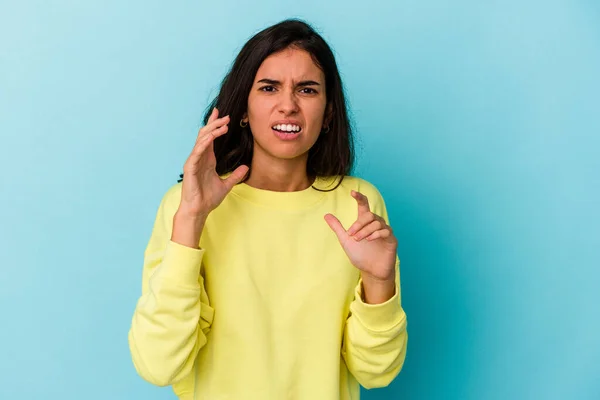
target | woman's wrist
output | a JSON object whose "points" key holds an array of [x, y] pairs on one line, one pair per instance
{"points": [[187, 228], [376, 291]]}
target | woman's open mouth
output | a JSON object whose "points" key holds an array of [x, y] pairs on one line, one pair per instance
{"points": [[286, 131]]}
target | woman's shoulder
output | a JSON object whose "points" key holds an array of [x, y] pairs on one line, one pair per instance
{"points": [[171, 197], [367, 188], [361, 185]]}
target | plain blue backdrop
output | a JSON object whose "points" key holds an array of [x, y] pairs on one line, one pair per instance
{"points": [[477, 120]]}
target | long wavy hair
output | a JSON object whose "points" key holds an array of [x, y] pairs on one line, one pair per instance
{"points": [[333, 152]]}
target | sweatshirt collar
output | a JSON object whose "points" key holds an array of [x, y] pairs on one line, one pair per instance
{"points": [[290, 201]]}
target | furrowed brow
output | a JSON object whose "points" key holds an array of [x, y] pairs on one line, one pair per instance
{"points": [[269, 81], [276, 82], [309, 83]]}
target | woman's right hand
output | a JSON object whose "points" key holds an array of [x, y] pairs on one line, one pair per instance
{"points": [[203, 190]]}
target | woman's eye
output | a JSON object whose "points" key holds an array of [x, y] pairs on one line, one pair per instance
{"points": [[272, 89]]}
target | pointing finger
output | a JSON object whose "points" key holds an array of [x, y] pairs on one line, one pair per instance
{"points": [[363, 202]]}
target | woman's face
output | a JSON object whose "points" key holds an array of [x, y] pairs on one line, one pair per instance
{"points": [[288, 94]]}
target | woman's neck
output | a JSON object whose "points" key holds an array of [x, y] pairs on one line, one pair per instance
{"points": [[285, 177]]}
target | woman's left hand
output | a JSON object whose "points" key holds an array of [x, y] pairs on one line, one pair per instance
{"points": [[369, 242]]}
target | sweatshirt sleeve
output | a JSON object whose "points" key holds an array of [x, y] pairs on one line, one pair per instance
{"points": [[173, 314], [375, 335]]}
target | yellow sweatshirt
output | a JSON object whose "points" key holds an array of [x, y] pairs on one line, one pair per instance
{"points": [[269, 307]]}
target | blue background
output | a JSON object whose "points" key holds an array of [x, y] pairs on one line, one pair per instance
{"points": [[478, 121]]}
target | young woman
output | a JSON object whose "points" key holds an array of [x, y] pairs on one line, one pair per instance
{"points": [[252, 287]]}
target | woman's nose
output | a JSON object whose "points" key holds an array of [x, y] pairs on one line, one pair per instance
{"points": [[288, 102]]}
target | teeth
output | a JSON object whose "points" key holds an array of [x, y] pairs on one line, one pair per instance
{"points": [[287, 128]]}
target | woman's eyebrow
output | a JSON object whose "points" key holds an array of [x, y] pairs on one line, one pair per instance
{"points": [[275, 82], [308, 83]]}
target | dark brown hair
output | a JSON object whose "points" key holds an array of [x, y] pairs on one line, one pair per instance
{"points": [[333, 152]]}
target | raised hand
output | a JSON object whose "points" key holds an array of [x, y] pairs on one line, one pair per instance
{"points": [[369, 242], [203, 190]]}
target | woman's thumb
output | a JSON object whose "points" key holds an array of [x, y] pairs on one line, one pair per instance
{"points": [[236, 176], [336, 226]]}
